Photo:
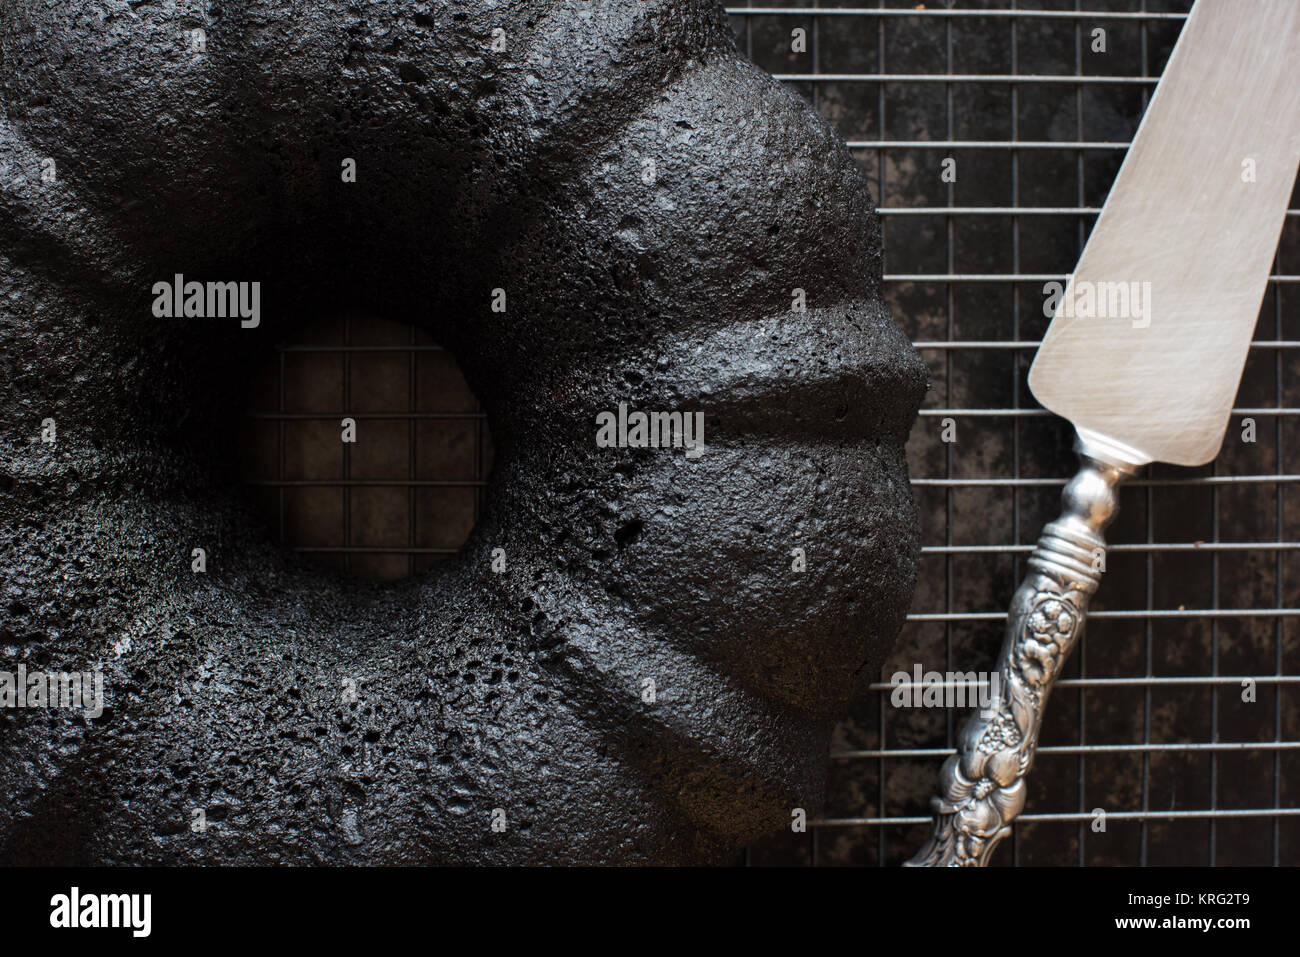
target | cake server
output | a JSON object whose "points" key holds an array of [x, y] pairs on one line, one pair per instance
{"points": [[1143, 355]]}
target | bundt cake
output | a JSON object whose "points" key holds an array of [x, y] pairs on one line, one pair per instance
{"points": [[637, 654]]}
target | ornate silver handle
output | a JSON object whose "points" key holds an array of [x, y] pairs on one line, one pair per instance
{"points": [[983, 786]]}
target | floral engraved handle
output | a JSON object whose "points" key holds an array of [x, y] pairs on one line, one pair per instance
{"points": [[983, 784]]}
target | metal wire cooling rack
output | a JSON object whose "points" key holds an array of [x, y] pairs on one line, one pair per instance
{"points": [[1149, 722], [391, 506]]}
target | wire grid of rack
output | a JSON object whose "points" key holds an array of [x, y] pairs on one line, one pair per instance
{"points": [[390, 379], [1148, 722]]}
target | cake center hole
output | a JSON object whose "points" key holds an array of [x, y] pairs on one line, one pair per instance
{"points": [[364, 447]]}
